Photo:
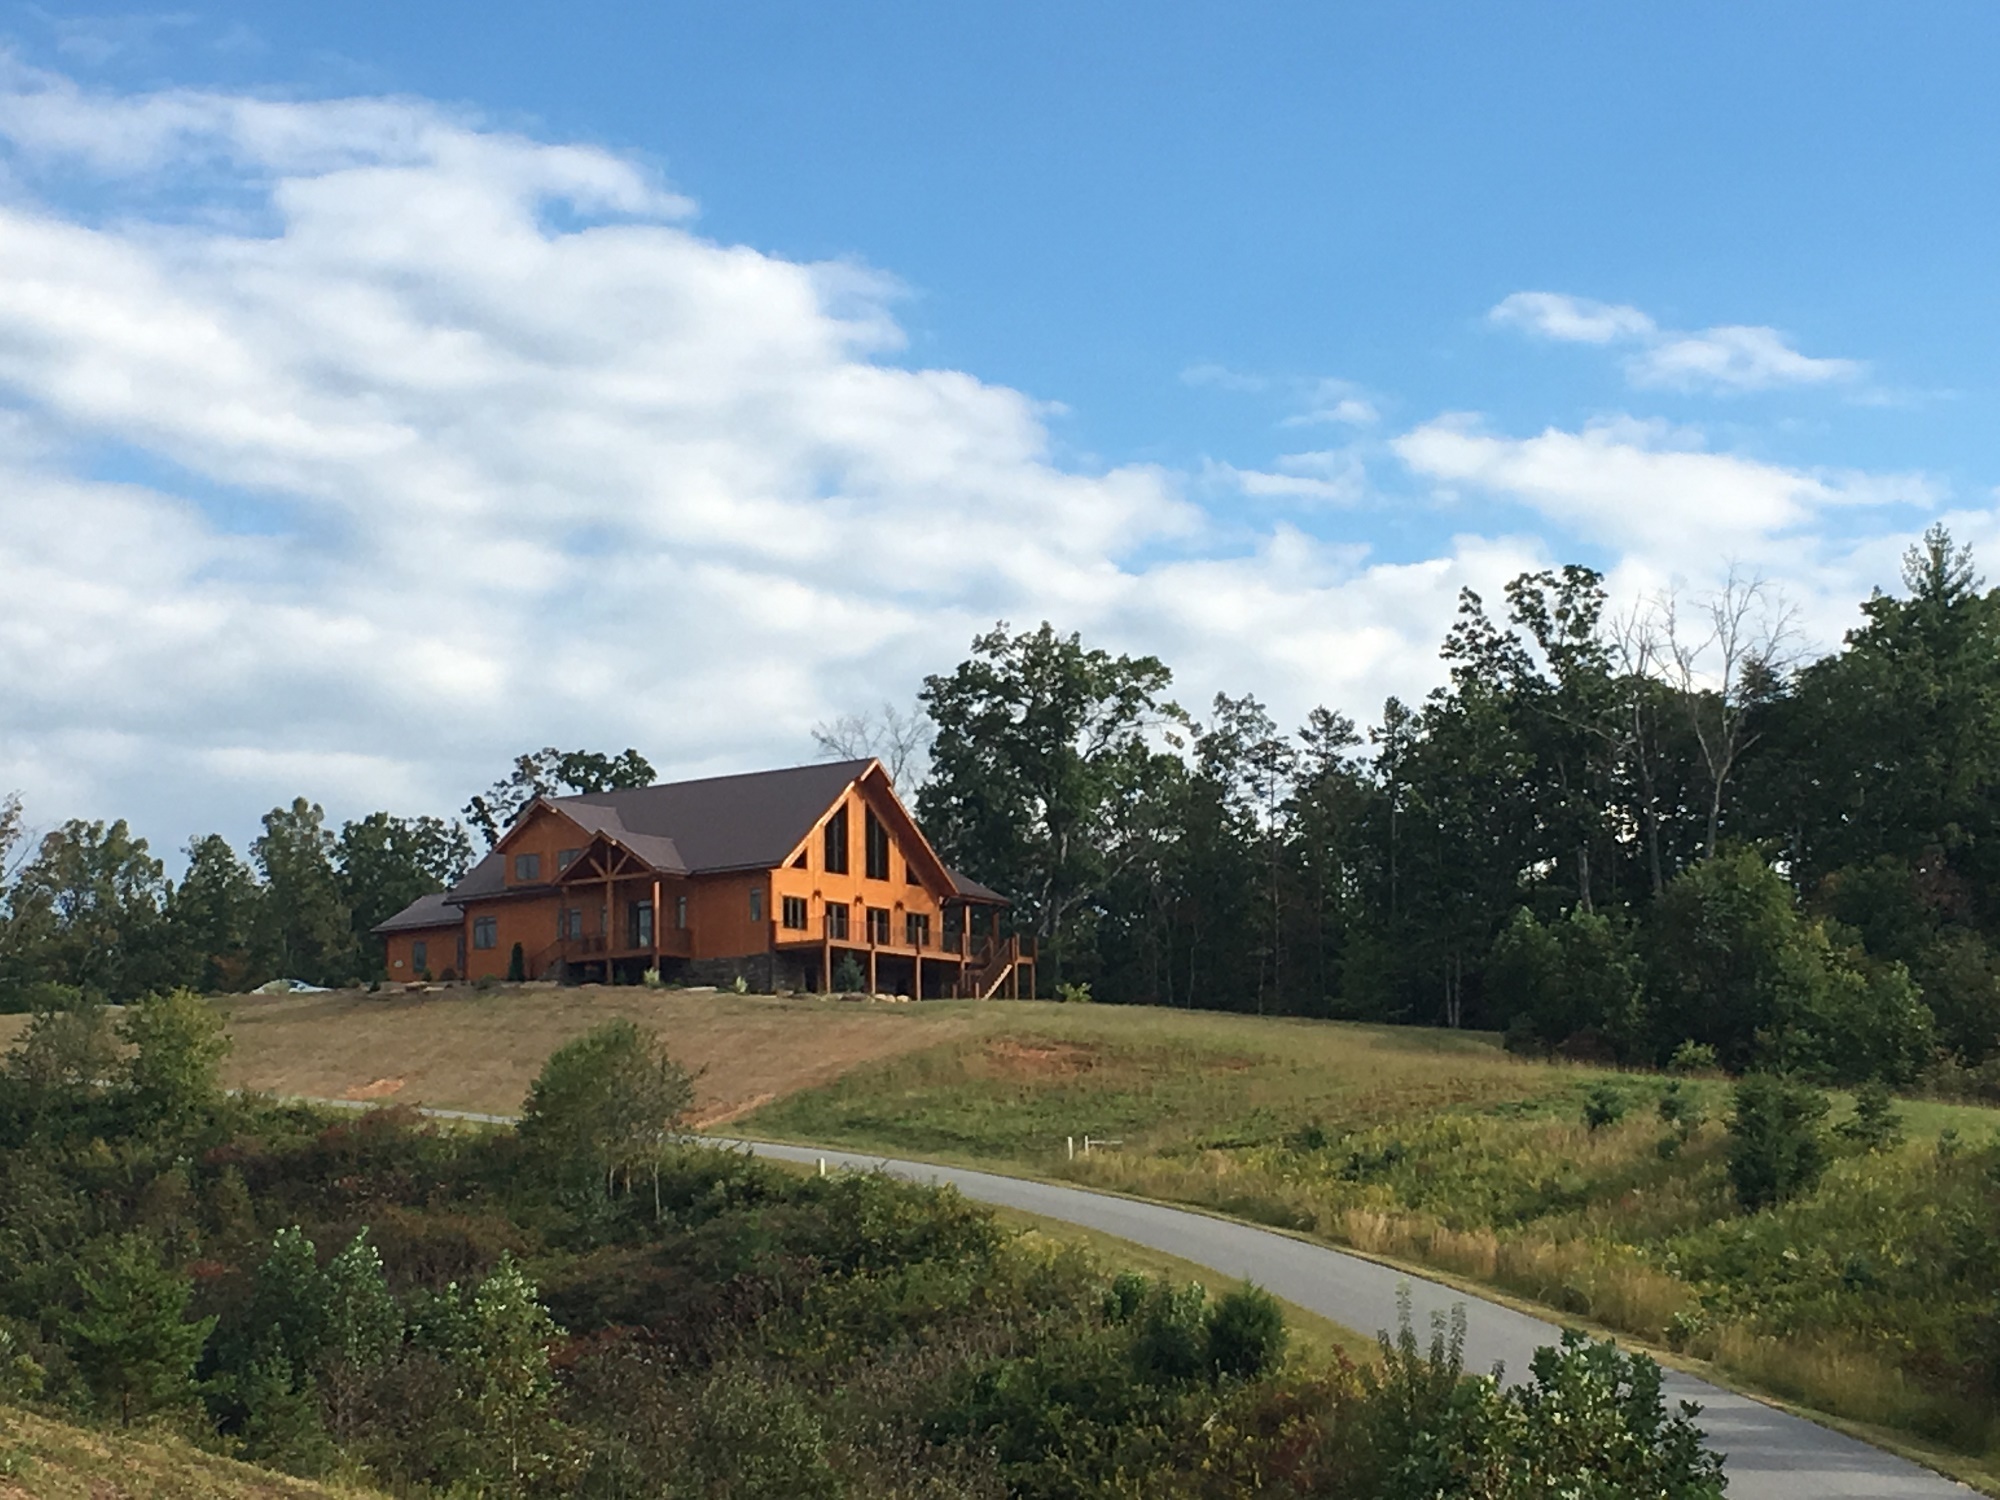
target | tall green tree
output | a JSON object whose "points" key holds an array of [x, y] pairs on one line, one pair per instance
{"points": [[387, 862], [86, 910], [549, 772], [1040, 756], [211, 919], [304, 923], [1896, 738]]}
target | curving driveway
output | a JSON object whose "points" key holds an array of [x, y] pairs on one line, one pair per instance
{"points": [[1772, 1455]]}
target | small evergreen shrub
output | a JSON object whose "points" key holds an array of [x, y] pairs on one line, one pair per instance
{"points": [[847, 976], [1874, 1125], [1603, 1105], [1776, 1149], [1693, 1057]]}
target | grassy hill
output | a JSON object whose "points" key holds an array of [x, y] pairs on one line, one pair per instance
{"points": [[53, 1461], [1869, 1298]]}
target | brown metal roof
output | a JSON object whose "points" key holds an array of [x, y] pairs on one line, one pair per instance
{"points": [[425, 911], [746, 822]]}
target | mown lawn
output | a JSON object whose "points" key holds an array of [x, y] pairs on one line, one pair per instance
{"points": [[1873, 1298]]}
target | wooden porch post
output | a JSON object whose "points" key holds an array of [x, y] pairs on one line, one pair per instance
{"points": [[917, 979], [871, 952], [658, 917]]}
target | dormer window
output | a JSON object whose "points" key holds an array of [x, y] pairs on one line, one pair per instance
{"points": [[527, 867]]}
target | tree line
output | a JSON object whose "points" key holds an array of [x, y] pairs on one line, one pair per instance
{"points": [[89, 908], [1618, 835], [1612, 834]]}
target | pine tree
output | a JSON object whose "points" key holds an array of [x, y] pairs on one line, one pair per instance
{"points": [[132, 1339]]}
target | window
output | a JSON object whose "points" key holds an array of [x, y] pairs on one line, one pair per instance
{"points": [[569, 922], [756, 904], [836, 843], [681, 912], [420, 956], [527, 867], [917, 929], [795, 913], [639, 924], [566, 857], [910, 874], [800, 862], [485, 932], [836, 922], [878, 848], [878, 924]]}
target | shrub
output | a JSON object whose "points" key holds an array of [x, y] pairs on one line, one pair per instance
{"points": [[651, 979], [847, 975], [1073, 994], [1596, 1424], [1693, 1057], [1874, 1125], [1574, 976], [1603, 1105], [604, 1103], [180, 1047], [1775, 1146], [517, 964], [1171, 1343], [1246, 1334]]}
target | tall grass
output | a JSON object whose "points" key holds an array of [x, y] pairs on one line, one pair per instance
{"points": [[1871, 1299]]}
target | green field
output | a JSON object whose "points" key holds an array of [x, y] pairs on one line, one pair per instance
{"points": [[1871, 1298]]}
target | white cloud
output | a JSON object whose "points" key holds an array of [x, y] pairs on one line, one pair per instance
{"points": [[1729, 358], [465, 475], [449, 442], [1645, 488], [1338, 402], [1575, 320], [1734, 358], [1221, 377]]}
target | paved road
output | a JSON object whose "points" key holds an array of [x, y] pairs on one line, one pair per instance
{"points": [[1772, 1455]]}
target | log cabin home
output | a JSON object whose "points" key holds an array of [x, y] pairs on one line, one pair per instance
{"points": [[774, 877]]}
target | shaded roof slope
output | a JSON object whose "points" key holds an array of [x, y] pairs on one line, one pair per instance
{"points": [[425, 911]]}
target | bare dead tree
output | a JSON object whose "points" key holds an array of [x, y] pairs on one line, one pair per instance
{"points": [[899, 738], [1724, 667], [1633, 645]]}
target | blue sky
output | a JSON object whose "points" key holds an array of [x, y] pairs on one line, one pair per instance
{"points": [[1276, 323]]}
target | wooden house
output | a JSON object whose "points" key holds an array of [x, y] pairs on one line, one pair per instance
{"points": [[774, 877]]}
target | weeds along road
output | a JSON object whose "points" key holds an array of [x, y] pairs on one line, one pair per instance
{"points": [[1772, 1455]]}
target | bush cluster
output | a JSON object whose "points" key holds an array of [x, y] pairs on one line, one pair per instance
{"points": [[449, 1313]]}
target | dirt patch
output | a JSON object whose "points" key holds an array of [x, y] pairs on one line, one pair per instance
{"points": [[722, 1114], [1009, 1058], [462, 1048]]}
